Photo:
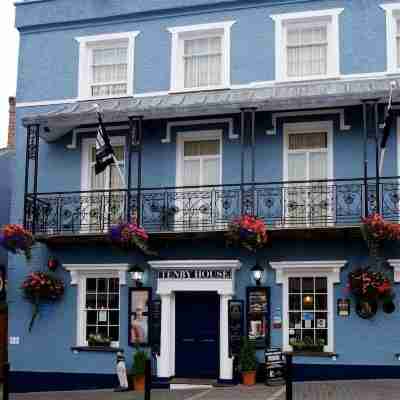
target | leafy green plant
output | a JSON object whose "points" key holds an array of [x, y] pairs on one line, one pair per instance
{"points": [[139, 362], [247, 356], [308, 345]]}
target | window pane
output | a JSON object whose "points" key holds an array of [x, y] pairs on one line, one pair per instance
{"points": [[321, 285], [307, 285], [322, 320], [308, 302], [321, 302], [297, 167], [90, 330], [308, 336], [294, 302], [91, 317], [322, 337], [114, 317], [91, 301], [294, 285], [201, 148], [114, 333], [102, 301], [114, 301], [191, 173], [300, 141], [294, 320], [318, 166], [211, 172], [114, 285], [91, 284], [102, 285]]}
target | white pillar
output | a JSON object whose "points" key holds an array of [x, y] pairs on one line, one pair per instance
{"points": [[164, 360], [225, 363], [172, 337]]}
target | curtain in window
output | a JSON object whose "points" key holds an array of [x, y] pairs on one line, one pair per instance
{"points": [[109, 71], [308, 141], [307, 51], [203, 62]]}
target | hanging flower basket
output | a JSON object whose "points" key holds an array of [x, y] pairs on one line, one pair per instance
{"points": [[375, 230], [130, 236], [41, 287], [16, 239], [370, 287], [247, 231]]}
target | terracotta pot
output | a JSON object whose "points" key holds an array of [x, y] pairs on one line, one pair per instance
{"points": [[249, 378], [138, 383]]}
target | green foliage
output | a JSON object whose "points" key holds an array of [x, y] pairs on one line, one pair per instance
{"points": [[139, 362], [247, 356]]}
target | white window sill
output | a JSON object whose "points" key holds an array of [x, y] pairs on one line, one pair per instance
{"points": [[200, 89]]}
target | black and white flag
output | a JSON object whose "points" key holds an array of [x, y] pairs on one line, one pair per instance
{"points": [[389, 118], [104, 151]]}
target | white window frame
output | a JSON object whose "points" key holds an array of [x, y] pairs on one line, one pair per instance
{"points": [[392, 15], [307, 127], [329, 17], [87, 145], [180, 33], [182, 137], [87, 43], [79, 274], [302, 269]]}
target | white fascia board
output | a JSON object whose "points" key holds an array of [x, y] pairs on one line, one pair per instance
{"points": [[195, 264]]}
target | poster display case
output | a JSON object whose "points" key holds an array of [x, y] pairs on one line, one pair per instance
{"points": [[139, 316], [258, 316]]}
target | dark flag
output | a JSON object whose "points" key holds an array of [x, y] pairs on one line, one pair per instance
{"points": [[389, 119], [104, 151]]}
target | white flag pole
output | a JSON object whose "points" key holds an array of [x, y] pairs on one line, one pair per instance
{"points": [[121, 175], [383, 151]]}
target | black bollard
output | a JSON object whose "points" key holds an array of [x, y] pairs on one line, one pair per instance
{"points": [[6, 374], [147, 380], [289, 377]]}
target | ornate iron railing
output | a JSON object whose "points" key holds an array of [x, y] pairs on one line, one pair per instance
{"points": [[283, 205]]}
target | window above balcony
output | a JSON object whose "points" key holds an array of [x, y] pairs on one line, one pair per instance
{"points": [[106, 65], [392, 36], [307, 45], [200, 57]]}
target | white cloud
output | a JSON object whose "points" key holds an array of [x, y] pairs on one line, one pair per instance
{"points": [[8, 75]]}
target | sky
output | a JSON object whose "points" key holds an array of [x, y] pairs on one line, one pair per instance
{"points": [[8, 76]]}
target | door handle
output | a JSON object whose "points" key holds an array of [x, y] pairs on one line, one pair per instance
{"points": [[207, 340], [188, 340]]}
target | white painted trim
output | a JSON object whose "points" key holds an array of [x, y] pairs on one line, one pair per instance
{"points": [[195, 264], [79, 273], [178, 35], [309, 17], [229, 121], [308, 127], [88, 42], [182, 137], [249, 85], [340, 111], [328, 269], [391, 48], [395, 263]]}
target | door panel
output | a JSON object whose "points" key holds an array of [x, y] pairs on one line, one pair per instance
{"points": [[197, 335]]}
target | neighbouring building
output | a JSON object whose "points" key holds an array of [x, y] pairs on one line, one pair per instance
{"points": [[216, 108]]}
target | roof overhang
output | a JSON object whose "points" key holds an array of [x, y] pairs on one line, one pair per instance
{"points": [[272, 97]]}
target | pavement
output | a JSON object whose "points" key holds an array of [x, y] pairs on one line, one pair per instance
{"points": [[339, 390]]}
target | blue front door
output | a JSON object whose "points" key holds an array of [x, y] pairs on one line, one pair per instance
{"points": [[197, 334]]}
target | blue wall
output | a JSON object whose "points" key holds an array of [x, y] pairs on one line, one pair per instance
{"points": [[48, 63]]}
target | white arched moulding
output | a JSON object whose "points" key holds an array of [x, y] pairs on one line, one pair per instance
{"points": [[166, 288]]}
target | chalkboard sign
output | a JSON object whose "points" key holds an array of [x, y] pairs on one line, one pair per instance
{"points": [[236, 317], [275, 363], [155, 333]]}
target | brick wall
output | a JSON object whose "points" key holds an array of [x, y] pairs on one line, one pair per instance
{"points": [[11, 123]]}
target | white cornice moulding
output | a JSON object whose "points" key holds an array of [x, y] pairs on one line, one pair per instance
{"points": [[195, 264], [330, 12], [96, 269], [201, 27], [107, 37], [229, 121], [340, 111], [396, 269], [287, 267]]}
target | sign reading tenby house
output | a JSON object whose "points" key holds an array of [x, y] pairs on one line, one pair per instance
{"points": [[189, 274]]}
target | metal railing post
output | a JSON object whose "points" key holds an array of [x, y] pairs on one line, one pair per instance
{"points": [[289, 377], [6, 377], [147, 380]]}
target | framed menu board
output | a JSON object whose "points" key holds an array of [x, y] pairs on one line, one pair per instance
{"points": [[258, 316], [235, 318], [139, 316]]}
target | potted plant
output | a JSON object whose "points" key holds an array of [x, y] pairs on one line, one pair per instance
{"points": [[16, 239], [138, 369], [248, 362], [308, 345], [98, 340]]}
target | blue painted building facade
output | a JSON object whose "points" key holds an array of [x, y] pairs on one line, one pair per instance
{"points": [[218, 108]]}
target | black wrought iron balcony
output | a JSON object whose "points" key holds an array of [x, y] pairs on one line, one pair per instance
{"points": [[283, 205]]}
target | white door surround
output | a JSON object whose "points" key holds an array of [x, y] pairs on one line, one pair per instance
{"points": [[166, 288]]}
